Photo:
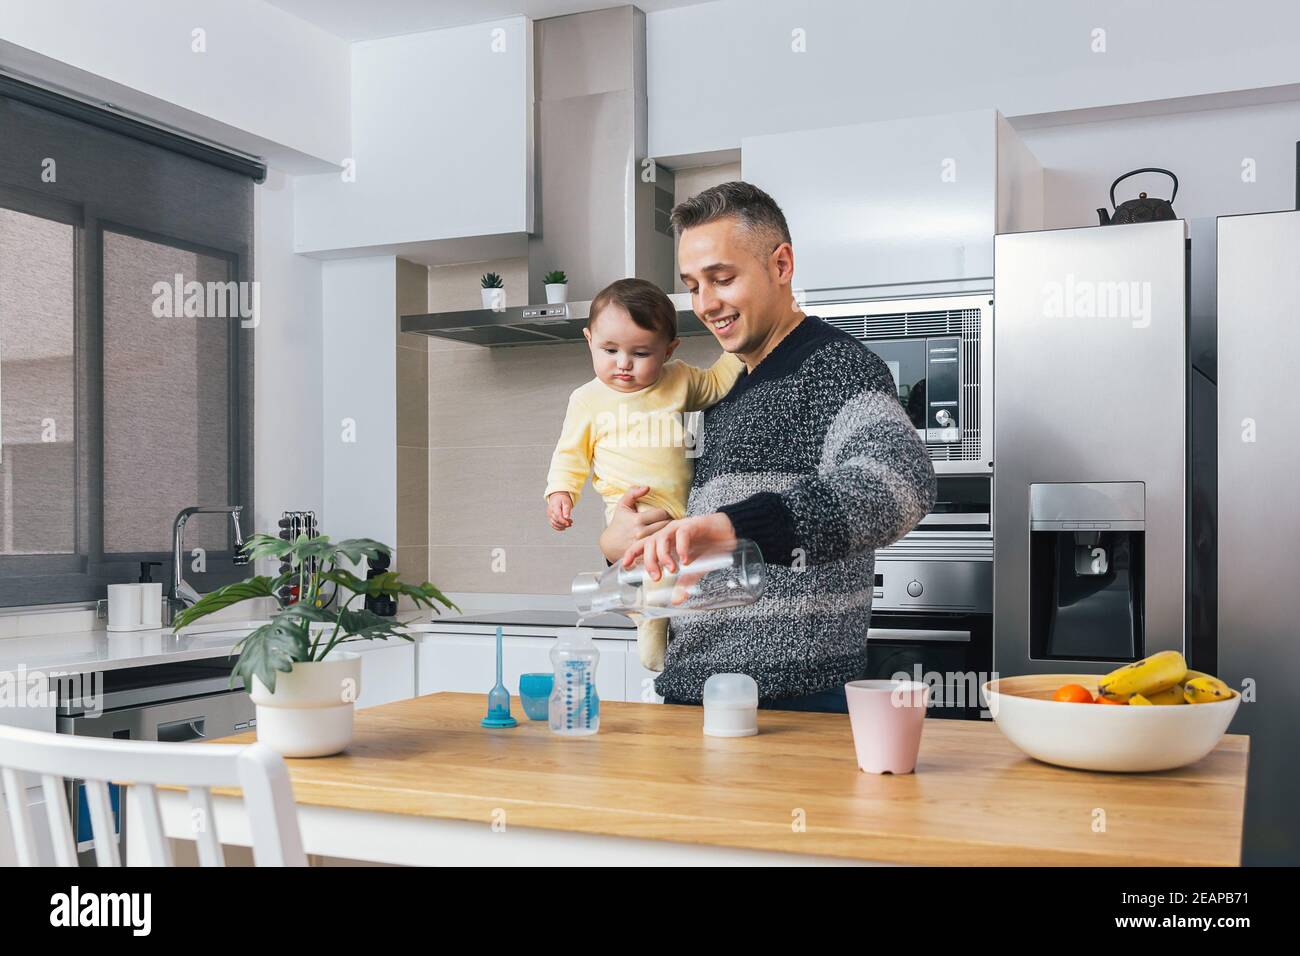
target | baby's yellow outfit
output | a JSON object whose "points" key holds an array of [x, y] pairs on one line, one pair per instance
{"points": [[627, 439]]}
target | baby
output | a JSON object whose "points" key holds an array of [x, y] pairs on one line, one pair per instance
{"points": [[625, 427]]}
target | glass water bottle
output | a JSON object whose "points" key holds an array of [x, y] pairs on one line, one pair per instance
{"points": [[712, 580]]}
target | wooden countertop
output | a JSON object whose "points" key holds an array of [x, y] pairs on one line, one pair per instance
{"points": [[650, 773]]}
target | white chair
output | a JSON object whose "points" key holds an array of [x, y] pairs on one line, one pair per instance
{"points": [[143, 765]]}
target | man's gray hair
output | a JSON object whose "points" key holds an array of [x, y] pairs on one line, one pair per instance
{"points": [[755, 210]]}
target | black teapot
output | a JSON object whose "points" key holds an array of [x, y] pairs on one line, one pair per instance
{"points": [[1142, 209]]}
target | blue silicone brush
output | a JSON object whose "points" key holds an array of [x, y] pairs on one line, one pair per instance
{"points": [[498, 713]]}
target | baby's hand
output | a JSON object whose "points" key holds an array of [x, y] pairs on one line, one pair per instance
{"points": [[559, 509]]}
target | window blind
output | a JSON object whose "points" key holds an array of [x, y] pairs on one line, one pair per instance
{"points": [[126, 348]]}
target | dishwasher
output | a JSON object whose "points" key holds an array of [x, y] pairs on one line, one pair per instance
{"points": [[172, 703]]}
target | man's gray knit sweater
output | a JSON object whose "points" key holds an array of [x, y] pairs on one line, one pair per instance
{"points": [[813, 458]]}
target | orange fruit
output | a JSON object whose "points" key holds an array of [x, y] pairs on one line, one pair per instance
{"points": [[1103, 699], [1073, 694]]}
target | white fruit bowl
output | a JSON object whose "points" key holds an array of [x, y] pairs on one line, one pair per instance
{"points": [[1123, 739]]}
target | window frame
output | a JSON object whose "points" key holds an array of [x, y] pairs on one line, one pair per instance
{"points": [[80, 577]]}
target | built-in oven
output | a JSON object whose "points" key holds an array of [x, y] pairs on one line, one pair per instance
{"points": [[932, 608], [932, 617], [952, 653], [172, 703]]}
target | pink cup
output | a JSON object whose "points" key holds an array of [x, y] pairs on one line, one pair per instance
{"points": [[887, 717]]}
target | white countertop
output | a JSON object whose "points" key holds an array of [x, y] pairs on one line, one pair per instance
{"points": [[89, 650], [79, 652], [97, 650]]}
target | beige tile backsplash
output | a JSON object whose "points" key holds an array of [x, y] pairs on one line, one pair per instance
{"points": [[412, 497], [413, 563], [508, 395], [528, 569], [412, 372], [493, 418], [412, 397]]}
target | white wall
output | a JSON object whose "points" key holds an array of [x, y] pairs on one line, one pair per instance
{"points": [[288, 355], [1192, 95], [267, 82], [441, 127], [1205, 148], [359, 382], [717, 72]]}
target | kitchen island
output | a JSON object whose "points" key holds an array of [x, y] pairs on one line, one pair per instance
{"points": [[422, 783]]}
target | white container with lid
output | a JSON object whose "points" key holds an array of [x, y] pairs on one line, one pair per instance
{"points": [[730, 706]]}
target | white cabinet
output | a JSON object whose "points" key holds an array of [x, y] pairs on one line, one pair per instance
{"points": [[466, 662], [899, 202], [611, 672], [640, 683], [35, 799], [34, 718], [410, 185], [388, 671]]}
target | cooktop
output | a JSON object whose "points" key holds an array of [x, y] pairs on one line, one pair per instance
{"points": [[538, 619]]}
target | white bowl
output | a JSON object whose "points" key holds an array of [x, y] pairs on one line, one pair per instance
{"points": [[1123, 739]]}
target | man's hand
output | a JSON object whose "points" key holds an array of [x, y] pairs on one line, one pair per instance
{"points": [[682, 541], [559, 509], [629, 525]]}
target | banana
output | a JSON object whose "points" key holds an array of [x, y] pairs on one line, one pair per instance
{"points": [[1150, 675], [1173, 695], [1137, 700], [1206, 690]]}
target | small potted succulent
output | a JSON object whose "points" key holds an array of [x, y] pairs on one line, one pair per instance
{"points": [[494, 291], [294, 667], [557, 287]]}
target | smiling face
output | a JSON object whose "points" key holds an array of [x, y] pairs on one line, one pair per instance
{"points": [[739, 285], [625, 356]]}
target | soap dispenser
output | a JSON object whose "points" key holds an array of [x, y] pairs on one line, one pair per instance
{"points": [[151, 596]]}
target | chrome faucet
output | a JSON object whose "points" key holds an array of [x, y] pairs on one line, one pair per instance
{"points": [[182, 593]]}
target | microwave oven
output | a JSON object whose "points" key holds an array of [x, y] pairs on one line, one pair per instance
{"points": [[940, 353]]}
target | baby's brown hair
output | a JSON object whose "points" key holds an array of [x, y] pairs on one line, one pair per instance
{"points": [[644, 301]]}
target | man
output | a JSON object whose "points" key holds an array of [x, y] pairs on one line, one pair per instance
{"points": [[810, 456]]}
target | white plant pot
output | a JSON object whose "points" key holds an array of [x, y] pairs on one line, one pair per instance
{"points": [[557, 293], [310, 712], [494, 298]]}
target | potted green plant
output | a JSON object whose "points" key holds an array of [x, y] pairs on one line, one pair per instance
{"points": [[493, 290], [557, 287], [294, 667]]}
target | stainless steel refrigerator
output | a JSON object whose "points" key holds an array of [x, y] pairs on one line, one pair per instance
{"points": [[1103, 464], [1259, 515]]}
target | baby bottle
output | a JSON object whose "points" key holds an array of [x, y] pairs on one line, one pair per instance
{"points": [[574, 707]]}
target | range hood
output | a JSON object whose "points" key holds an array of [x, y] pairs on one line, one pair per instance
{"points": [[529, 324], [600, 212]]}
